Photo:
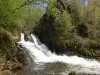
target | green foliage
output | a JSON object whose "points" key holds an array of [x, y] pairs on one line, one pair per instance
{"points": [[64, 21], [64, 27], [9, 17], [92, 19], [7, 6], [32, 17], [76, 10], [74, 28], [52, 9], [68, 25], [16, 16], [55, 27]]}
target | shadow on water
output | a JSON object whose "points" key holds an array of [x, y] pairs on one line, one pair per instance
{"points": [[47, 69], [56, 68]]}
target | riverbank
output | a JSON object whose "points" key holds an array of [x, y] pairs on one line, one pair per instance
{"points": [[10, 67]]}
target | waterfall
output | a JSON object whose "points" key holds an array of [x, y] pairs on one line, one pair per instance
{"points": [[42, 54], [22, 37]]}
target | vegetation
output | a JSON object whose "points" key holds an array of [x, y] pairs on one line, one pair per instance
{"points": [[16, 16], [71, 27], [64, 26]]}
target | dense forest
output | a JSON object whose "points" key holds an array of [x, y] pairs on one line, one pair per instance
{"points": [[65, 26]]}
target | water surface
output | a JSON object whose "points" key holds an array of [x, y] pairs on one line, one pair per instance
{"points": [[48, 63]]}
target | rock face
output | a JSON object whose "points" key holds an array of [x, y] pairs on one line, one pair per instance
{"points": [[28, 37]]}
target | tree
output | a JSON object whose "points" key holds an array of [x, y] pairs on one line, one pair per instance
{"points": [[64, 27], [91, 19]]}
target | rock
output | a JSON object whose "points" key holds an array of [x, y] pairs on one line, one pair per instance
{"points": [[91, 74], [5, 72], [28, 38], [17, 66], [72, 73]]}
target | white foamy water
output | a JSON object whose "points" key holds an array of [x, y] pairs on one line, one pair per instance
{"points": [[43, 55]]}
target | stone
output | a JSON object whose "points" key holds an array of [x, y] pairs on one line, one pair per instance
{"points": [[72, 73], [5, 72]]}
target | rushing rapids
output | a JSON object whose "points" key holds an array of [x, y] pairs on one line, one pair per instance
{"points": [[43, 55]]}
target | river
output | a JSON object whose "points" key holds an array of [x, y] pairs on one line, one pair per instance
{"points": [[48, 63]]}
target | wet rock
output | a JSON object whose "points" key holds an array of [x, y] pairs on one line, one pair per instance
{"points": [[20, 72], [28, 38], [72, 73]]}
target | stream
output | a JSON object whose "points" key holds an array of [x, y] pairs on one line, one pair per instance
{"points": [[48, 63]]}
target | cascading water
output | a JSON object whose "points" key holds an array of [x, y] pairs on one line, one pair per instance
{"points": [[43, 55]]}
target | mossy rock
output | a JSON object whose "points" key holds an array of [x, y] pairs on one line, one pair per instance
{"points": [[7, 44]]}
